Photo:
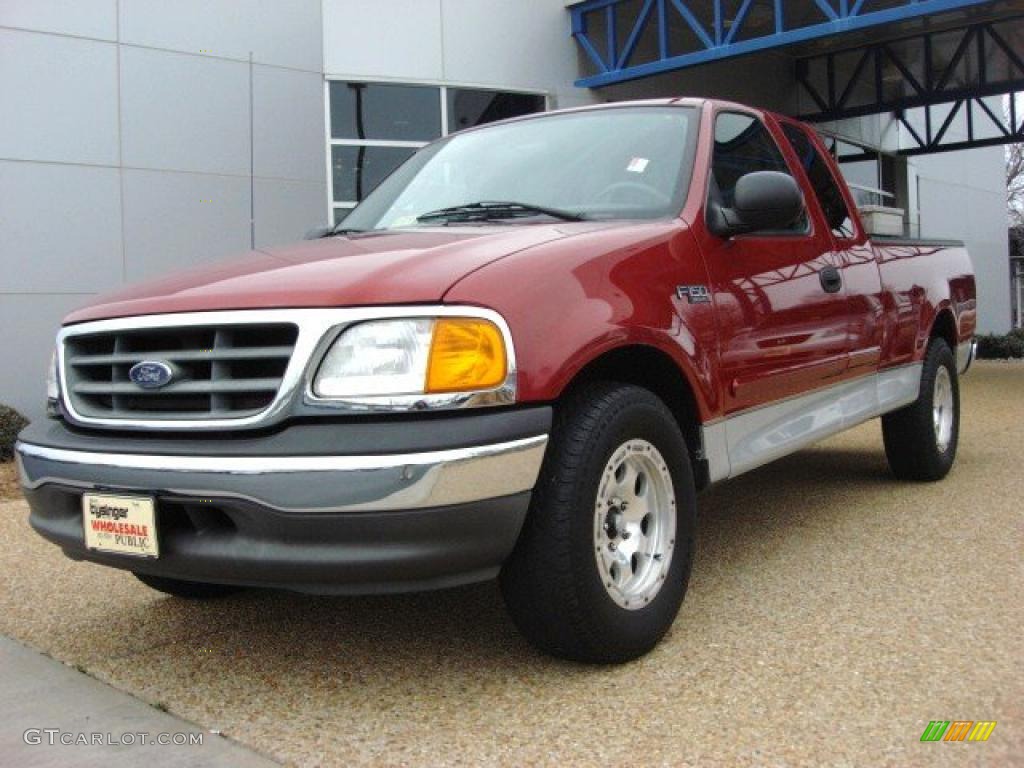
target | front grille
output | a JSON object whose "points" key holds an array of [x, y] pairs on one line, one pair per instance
{"points": [[220, 371]]}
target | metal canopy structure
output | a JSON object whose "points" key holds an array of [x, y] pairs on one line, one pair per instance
{"points": [[692, 32], [936, 84], [980, 126], [932, 64], [932, 68]]}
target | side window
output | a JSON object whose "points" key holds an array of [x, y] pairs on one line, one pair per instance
{"points": [[743, 145], [829, 195]]}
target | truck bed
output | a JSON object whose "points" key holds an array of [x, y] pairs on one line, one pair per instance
{"points": [[884, 240]]}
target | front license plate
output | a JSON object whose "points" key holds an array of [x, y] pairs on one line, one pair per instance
{"points": [[122, 524]]}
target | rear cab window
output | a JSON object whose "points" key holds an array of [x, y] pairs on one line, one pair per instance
{"points": [[826, 189]]}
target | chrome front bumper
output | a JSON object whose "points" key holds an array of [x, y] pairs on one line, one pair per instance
{"points": [[403, 506], [301, 484]]}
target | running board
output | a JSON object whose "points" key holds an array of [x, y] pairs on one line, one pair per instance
{"points": [[757, 436]]}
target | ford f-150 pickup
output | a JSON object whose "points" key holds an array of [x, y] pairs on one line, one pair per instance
{"points": [[521, 356]]}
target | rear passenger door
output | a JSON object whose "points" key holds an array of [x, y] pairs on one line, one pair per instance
{"points": [[852, 252], [782, 331]]}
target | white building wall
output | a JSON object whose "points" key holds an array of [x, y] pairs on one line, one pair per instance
{"points": [[125, 149], [962, 195], [493, 44]]}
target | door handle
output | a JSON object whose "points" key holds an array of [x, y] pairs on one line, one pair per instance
{"points": [[831, 279]]}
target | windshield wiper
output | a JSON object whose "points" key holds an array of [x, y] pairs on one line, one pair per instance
{"points": [[488, 209], [318, 233]]}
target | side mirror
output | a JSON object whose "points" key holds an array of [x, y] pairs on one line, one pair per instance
{"points": [[764, 200]]}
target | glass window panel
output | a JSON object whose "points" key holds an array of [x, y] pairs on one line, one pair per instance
{"points": [[467, 108], [743, 145], [385, 112], [358, 170], [621, 163], [830, 197]]}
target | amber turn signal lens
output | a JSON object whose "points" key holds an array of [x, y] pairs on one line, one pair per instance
{"points": [[465, 354]]}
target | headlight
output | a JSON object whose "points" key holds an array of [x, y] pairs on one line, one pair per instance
{"points": [[52, 385], [416, 356]]}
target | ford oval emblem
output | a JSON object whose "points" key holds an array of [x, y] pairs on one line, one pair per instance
{"points": [[151, 374]]}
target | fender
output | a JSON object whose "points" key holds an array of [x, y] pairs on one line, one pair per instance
{"points": [[686, 363], [571, 301], [927, 279]]}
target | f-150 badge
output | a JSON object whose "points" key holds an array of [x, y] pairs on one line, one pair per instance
{"points": [[695, 294]]}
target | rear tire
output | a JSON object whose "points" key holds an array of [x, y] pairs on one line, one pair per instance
{"points": [[190, 590], [602, 564], [921, 439]]}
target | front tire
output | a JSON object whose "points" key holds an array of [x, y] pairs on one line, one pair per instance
{"points": [[189, 590], [921, 439], [602, 564]]}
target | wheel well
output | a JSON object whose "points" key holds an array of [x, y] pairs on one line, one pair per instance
{"points": [[944, 327], [653, 370]]}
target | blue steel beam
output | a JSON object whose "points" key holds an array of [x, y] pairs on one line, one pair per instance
{"points": [[717, 43]]}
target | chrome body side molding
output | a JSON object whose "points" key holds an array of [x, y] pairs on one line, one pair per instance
{"points": [[752, 438]]}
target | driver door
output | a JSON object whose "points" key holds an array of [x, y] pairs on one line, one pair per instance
{"points": [[783, 329]]}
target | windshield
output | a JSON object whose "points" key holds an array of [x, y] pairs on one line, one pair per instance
{"points": [[630, 162]]}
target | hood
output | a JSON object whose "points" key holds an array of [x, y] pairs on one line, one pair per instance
{"points": [[401, 267]]}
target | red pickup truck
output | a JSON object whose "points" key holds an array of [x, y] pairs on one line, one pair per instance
{"points": [[521, 356]]}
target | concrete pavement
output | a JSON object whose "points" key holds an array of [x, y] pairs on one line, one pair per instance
{"points": [[833, 612], [49, 708]]}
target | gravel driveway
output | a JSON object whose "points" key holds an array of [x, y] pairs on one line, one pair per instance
{"points": [[832, 613]]}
